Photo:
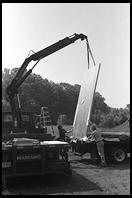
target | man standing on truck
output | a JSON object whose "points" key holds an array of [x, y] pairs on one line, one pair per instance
{"points": [[62, 132], [96, 135]]}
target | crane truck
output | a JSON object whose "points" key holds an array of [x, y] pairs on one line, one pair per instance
{"points": [[27, 150]]}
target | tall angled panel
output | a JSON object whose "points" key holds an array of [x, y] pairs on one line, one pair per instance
{"points": [[84, 105]]}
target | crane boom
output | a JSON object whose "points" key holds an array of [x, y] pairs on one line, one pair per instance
{"points": [[22, 74], [19, 78]]}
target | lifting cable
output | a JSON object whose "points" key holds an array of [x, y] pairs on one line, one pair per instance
{"points": [[89, 52]]}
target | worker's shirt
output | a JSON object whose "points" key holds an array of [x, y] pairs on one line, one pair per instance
{"points": [[62, 133], [97, 136]]}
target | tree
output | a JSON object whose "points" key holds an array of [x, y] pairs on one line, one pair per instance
{"points": [[99, 109], [60, 98]]}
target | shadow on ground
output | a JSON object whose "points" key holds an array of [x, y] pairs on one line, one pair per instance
{"points": [[122, 166], [51, 184]]}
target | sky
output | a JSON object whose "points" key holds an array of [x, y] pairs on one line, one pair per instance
{"points": [[35, 26]]}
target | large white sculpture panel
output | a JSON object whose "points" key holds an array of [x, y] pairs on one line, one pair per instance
{"points": [[85, 99]]}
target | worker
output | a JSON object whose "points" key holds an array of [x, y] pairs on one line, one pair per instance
{"points": [[96, 136], [62, 132]]}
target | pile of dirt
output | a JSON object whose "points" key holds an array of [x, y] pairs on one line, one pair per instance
{"points": [[124, 127]]}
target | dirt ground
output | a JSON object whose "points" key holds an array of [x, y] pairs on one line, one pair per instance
{"points": [[87, 179]]}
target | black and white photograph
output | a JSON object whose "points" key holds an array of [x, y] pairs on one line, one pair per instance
{"points": [[66, 98]]}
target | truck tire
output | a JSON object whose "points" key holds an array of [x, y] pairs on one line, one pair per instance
{"points": [[118, 154]]}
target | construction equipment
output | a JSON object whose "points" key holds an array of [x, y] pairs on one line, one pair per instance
{"points": [[45, 117], [13, 89], [18, 117], [44, 120], [37, 157]]}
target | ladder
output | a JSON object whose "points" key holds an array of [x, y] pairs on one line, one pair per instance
{"points": [[45, 118]]}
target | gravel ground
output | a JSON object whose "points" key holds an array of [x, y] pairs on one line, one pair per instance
{"points": [[87, 179]]}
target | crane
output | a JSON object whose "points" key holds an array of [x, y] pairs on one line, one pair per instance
{"points": [[12, 89]]}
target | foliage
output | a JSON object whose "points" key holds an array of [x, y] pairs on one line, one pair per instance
{"points": [[61, 98]]}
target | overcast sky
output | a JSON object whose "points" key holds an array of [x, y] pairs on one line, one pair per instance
{"points": [[32, 26]]}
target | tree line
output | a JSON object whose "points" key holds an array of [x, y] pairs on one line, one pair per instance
{"points": [[61, 99]]}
